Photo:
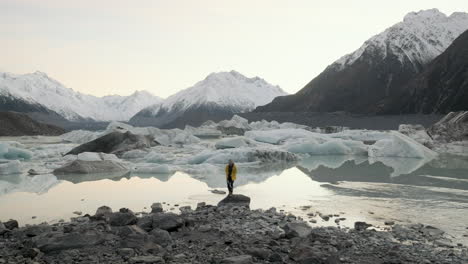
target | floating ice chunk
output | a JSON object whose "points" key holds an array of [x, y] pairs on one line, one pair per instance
{"points": [[96, 156], [185, 138], [361, 135], [416, 132], [152, 168], [13, 153], [236, 121], [242, 155], [332, 147], [81, 136], [10, 167], [399, 145], [203, 132], [265, 125], [51, 150], [135, 154], [278, 136], [156, 157], [234, 142]]}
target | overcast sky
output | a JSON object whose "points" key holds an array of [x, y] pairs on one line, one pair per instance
{"points": [[105, 47]]}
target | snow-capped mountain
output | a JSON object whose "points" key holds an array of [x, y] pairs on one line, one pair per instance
{"points": [[419, 38], [216, 97], [380, 68], [441, 88], [37, 91]]}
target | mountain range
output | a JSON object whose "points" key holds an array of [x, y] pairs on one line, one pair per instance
{"points": [[37, 92], [217, 97], [364, 81]]}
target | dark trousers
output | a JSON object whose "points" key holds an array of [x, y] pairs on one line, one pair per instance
{"points": [[230, 184]]}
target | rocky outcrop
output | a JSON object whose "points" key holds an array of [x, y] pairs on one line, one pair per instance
{"points": [[235, 200], [452, 127], [91, 167], [18, 124], [222, 234], [116, 143]]}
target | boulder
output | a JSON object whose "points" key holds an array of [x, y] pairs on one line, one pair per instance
{"points": [[11, 224], [299, 229], [360, 226], [49, 242], [167, 221], [103, 211], [145, 223], [235, 200], [122, 219], [241, 259], [161, 237], [90, 167], [116, 143], [156, 208]]}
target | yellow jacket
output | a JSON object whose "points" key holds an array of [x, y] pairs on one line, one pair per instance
{"points": [[234, 172]]}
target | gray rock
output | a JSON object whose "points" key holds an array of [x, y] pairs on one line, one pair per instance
{"points": [[215, 191], [161, 237], [145, 223], [35, 230], [90, 167], [241, 259], [299, 229], [103, 211], [167, 221], [49, 242], [156, 208], [235, 199], [205, 228], [3, 229], [147, 259], [116, 143], [360, 226], [122, 219], [11, 224], [33, 172], [126, 252], [185, 209], [389, 222], [141, 242], [260, 253]]}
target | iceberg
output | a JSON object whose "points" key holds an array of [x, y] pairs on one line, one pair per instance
{"points": [[14, 153], [234, 142], [332, 147], [278, 136], [399, 145], [10, 167]]}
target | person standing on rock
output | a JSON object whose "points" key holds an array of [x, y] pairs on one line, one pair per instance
{"points": [[231, 172]]}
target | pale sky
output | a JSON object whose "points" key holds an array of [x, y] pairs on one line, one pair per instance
{"points": [[106, 47]]}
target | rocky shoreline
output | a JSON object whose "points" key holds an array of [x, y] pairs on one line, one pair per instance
{"points": [[227, 233]]}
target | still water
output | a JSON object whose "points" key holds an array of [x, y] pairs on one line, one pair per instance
{"points": [[435, 193]]}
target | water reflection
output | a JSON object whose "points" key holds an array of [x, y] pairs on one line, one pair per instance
{"points": [[445, 172]]}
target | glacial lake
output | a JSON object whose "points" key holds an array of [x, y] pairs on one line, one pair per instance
{"points": [[358, 189]]}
